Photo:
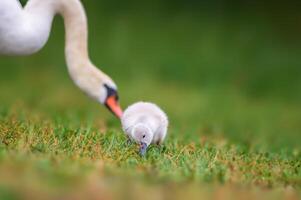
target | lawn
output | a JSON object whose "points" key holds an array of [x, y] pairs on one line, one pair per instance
{"points": [[232, 94]]}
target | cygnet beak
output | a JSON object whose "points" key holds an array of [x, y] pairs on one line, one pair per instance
{"points": [[142, 149], [113, 105]]}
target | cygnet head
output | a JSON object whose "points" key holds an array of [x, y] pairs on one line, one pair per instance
{"points": [[143, 135]]}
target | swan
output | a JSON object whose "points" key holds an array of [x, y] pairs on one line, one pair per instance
{"points": [[145, 123], [24, 31]]}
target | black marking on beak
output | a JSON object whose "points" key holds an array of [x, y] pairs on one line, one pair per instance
{"points": [[111, 92], [111, 101]]}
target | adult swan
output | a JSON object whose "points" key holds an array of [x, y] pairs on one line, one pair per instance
{"points": [[24, 31]]}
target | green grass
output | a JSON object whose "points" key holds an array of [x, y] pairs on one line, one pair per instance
{"points": [[57, 140], [232, 96]]}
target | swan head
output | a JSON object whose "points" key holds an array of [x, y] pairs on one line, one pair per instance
{"points": [[143, 135], [96, 84]]}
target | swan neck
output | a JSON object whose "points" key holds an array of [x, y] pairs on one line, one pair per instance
{"points": [[42, 12], [76, 31], [84, 74]]}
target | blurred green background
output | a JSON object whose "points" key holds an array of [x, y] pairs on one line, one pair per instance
{"points": [[230, 64], [230, 68], [252, 47]]}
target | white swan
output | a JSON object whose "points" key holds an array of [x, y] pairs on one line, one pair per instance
{"points": [[24, 31], [145, 123]]}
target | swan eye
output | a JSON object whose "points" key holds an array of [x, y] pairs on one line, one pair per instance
{"points": [[143, 136]]}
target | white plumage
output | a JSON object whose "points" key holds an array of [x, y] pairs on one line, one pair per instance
{"points": [[24, 31], [145, 123]]}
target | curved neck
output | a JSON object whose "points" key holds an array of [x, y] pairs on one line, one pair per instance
{"points": [[73, 13], [76, 47], [85, 75]]}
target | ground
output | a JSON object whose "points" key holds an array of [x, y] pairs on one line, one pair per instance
{"points": [[57, 140], [234, 124]]}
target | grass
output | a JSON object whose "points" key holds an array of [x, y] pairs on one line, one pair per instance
{"points": [[234, 121], [54, 146]]}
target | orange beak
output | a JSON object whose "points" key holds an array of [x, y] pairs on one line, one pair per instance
{"points": [[113, 105]]}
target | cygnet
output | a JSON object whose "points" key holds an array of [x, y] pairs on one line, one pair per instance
{"points": [[145, 123]]}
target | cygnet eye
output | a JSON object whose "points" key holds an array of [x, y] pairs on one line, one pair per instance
{"points": [[143, 136]]}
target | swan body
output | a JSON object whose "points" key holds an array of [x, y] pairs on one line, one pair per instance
{"points": [[145, 123], [24, 31]]}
